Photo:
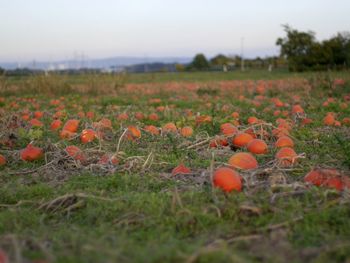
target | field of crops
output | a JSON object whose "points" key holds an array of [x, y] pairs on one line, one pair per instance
{"points": [[199, 169]]}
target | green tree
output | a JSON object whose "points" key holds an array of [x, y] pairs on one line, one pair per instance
{"points": [[338, 48], [220, 60], [296, 48], [200, 63]]}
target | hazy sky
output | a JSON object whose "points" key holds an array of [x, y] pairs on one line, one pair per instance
{"points": [[56, 29]]}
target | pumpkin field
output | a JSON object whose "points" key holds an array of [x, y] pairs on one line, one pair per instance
{"points": [[185, 167]]}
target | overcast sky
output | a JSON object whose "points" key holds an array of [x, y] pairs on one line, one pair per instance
{"points": [[58, 29]]}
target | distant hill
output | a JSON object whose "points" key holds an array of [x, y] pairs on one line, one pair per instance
{"points": [[102, 63], [151, 67]]}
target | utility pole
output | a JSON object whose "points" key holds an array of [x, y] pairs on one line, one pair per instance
{"points": [[242, 54]]}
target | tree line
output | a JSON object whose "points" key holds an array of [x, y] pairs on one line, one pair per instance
{"points": [[299, 51], [303, 52], [221, 62]]}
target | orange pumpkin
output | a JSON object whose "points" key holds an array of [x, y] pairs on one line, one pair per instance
{"points": [[4, 258], [186, 131], [38, 114], [160, 108], [169, 127], [64, 134], [218, 142], [139, 116], [243, 160], [306, 121], [287, 156], [278, 103], [123, 117], [180, 169], [55, 125], [104, 123], [75, 153], [36, 123], [235, 115], [153, 117], [318, 177], [228, 129], [152, 129], [202, 119], [346, 121], [329, 120], [31, 153], [279, 132], [87, 135], [257, 146], [297, 109], [227, 180], [335, 182], [106, 159], [90, 115], [260, 89], [242, 139], [25, 117], [253, 120], [284, 141], [2, 160], [71, 126], [337, 123], [133, 133]]}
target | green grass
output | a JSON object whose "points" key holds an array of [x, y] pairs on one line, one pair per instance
{"points": [[145, 215], [191, 76]]}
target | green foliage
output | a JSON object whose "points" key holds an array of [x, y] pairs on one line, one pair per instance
{"points": [[200, 63], [220, 60], [296, 46], [303, 52]]}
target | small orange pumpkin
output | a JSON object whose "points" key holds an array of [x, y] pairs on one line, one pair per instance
{"points": [[287, 156], [169, 127], [242, 139], [180, 169], [123, 117], [257, 146], [153, 117], [152, 129], [253, 120], [107, 159], [87, 135], [219, 141], [186, 131], [243, 160], [227, 180], [133, 133], [228, 129], [284, 141], [2, 160], [75, 153], [36, 123], [329, 120], [31, 153], [71, 125], [55, 125], [139, 116]]}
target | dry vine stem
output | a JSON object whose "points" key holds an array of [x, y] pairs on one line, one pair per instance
{"points": [[120, 140]]}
